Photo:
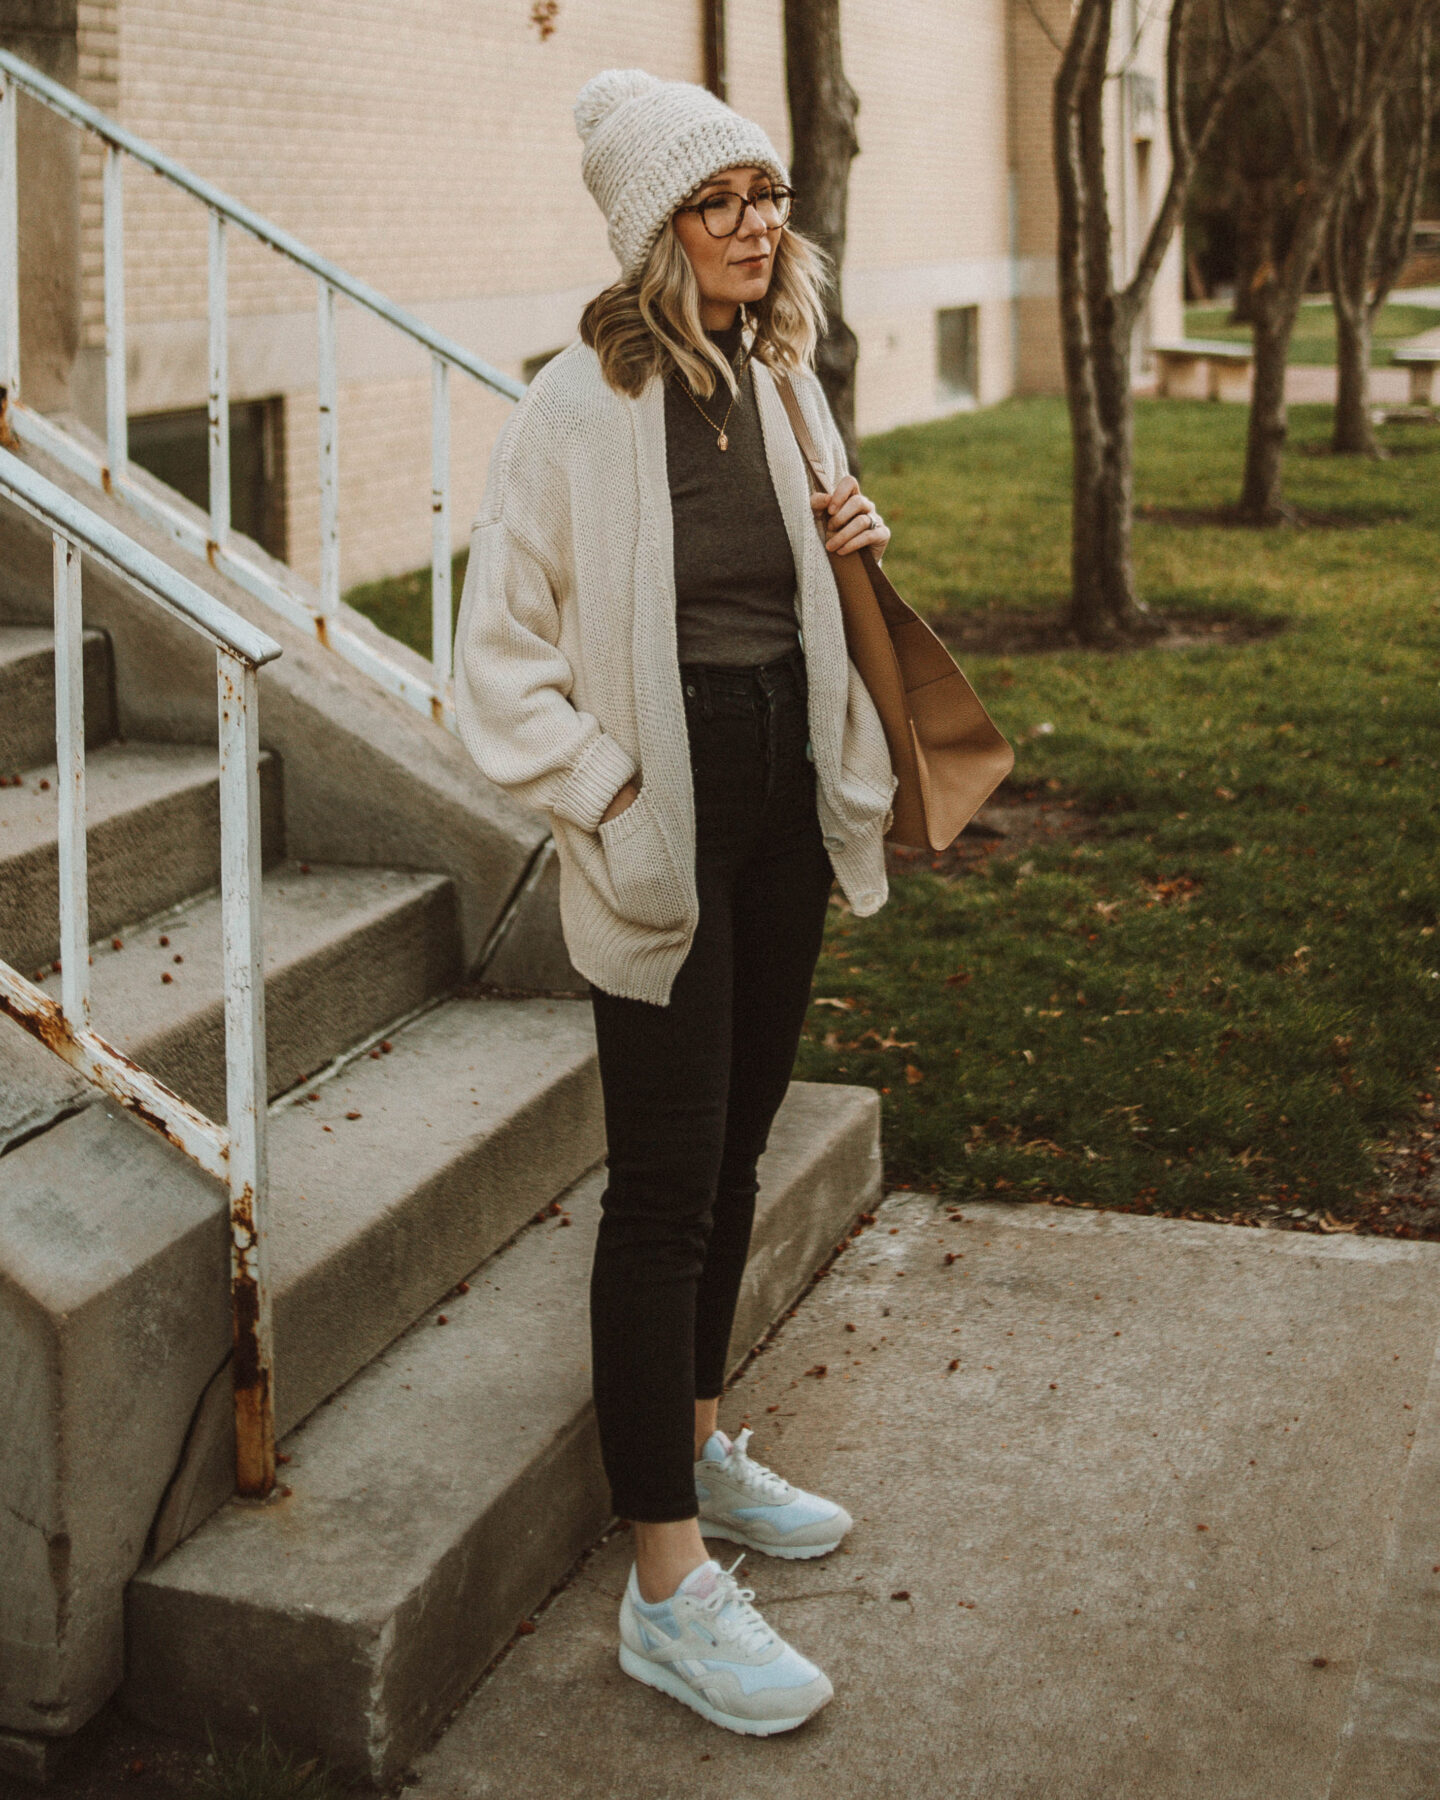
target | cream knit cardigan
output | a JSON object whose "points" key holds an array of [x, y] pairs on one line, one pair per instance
{"points": [[567, 682]]}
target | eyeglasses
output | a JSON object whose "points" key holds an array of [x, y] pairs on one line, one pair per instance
{"points": [[722, 214]]}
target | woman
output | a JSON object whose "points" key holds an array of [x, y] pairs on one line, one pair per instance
{"points": [[644, 572]]}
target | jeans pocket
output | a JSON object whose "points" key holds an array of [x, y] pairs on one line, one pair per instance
{"points": [[643, 878]]}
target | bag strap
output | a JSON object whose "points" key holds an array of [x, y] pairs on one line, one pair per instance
{"points": [[892, 608], [791, 403]]}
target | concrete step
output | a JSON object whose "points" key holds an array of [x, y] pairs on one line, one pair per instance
{"points": [[346, 951], [27, 695], [410, 1168], [449, 1485], [114, 1316], [153, 815], [407, 1171]]}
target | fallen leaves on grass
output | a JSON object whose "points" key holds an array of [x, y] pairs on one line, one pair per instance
{"points": [[833, 1041], [1180, 890]]}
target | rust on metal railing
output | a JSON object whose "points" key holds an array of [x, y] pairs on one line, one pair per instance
{"points": [[117, 1074], [254, 1378], [235, 1152], [245, 1083]]}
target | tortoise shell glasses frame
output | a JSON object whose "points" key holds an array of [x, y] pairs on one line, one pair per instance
{"points": [[723, 214]]}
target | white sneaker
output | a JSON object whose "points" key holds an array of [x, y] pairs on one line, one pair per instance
{"points": [[707, 1645], [744, 1501]]}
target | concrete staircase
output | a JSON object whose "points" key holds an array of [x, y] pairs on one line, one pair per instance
{"points": [[425, 1134]]}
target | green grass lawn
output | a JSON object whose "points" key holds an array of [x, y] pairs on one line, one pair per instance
{"points": [[1230, 989], [1314, 338], [401, 604], [1227, 991]]}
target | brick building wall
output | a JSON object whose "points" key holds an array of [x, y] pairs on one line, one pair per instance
{"points": [[429, 149]]}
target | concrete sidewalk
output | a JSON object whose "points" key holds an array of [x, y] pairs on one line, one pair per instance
{"points": [[1169, 1531]]}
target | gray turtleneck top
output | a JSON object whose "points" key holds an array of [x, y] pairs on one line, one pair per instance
{"points": [[734, 570]]}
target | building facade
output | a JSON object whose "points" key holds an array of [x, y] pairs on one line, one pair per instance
{"points": [[428, 148]]}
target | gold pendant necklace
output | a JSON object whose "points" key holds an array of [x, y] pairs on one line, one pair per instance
{"points": [[722, 441]]}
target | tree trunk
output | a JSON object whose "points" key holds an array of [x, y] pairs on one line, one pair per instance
{"points": [[1354, 431], [1354, 240], [1340, 95], [823, 106], [1097, 318], [1254, 234], [1103, 602], [1124, 610], [1262, 500], [1095, 326], [1370, 238]]}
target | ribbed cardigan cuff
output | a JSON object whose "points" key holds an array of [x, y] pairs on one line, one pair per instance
{"points": [[602, 770]]}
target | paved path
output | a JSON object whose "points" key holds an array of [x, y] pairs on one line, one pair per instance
{"points": [[1315, 386], [1167, 1532]]}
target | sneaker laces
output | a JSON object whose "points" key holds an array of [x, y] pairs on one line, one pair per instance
{"points": [[730, 1606], [766, 1482]]}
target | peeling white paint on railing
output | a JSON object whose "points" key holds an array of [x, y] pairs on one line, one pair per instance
{"points": [[245, 1084], [70, 780], [9, 234], [278, 586], [117, 429], [234, 1152], [441, 624], [328, 399], [219, 396]]}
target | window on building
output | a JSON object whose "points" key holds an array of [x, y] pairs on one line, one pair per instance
{"points": [[957, 352], [175, 448]]}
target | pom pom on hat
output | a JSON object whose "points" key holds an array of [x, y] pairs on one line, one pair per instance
{"points": [[601, 95], [651, 143]]}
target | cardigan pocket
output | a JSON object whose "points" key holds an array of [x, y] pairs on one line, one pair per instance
{"points": [[644, 883]]}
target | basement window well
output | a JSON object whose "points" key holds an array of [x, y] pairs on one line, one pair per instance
{"points": [[957, 355], [175, 448]]}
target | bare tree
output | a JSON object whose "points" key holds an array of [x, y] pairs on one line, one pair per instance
{"points": [[1257, 134], [1207, 52], [823, 106], [1334, 75], [1369, 237]]}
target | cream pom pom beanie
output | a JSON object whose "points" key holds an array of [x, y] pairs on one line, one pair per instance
{"points": [[649, 143]]}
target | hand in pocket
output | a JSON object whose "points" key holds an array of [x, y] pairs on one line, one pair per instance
{"points": [[624, 799]]}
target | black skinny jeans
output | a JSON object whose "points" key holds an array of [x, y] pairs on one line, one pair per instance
{"points": [[691, 1088]]}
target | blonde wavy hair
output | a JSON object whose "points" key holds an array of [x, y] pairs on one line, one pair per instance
{"points": [[650, 324]]}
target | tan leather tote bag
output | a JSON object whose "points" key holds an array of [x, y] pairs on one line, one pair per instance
{"points": [[945, 749]]}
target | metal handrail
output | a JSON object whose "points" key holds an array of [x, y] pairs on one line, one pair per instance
{"points": [[371, 650], [236, 1151], [63, 101], [175, 592]]}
